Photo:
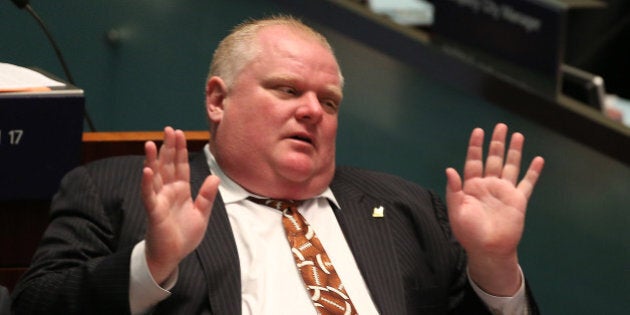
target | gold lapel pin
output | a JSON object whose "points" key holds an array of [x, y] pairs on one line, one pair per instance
{"points": [[378, 212]]}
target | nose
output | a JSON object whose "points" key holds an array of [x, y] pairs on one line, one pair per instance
{"points": [[309, 109]]}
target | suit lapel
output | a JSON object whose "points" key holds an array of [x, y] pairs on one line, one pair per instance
{"points": [[372, 246], [217, 252], [369, 239]]}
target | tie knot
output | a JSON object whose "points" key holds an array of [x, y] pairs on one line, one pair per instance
{"points": [[278, 204]]}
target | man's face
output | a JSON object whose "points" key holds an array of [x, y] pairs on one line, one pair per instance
{"points": [[277, 125]]}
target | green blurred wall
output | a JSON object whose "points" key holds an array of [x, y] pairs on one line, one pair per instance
{"points": [[575, 251]]}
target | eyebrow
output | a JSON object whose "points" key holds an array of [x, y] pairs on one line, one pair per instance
{"points": [[334, 92], [330, 90]]}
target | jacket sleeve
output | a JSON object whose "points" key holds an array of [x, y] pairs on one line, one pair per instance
{"points": [[80, 266], [463, 298]]}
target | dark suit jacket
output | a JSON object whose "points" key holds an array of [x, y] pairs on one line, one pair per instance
{"points": [[5, 300], [409, 259]]}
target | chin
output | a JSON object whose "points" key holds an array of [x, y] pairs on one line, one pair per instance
{"points": [[301, 167], [297, 174], [309, 178]]}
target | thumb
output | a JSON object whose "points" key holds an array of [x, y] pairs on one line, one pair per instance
{"points": [[207, 193], [453, 181], [453, 187]]}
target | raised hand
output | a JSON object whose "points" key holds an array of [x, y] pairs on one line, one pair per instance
{"points": [[487, 209], [176, 223]]}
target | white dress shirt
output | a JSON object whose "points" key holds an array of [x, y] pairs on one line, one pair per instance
{"points": [[270, 281]]}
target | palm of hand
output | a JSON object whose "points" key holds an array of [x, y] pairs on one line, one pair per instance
{"points": [[487, 209], [488, 214], [176, 220]]}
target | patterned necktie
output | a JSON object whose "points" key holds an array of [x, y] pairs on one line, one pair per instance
{"points": [[320, 278]]}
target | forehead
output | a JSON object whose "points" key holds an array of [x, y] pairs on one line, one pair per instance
{"points": [[291, 40], [293, 46]]}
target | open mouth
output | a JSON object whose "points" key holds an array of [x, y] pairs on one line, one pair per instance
{"points": [[303, 139]]}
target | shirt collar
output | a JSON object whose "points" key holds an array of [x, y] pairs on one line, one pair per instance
{"points": [[231, 192]]}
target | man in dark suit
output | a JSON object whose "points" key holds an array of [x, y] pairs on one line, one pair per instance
{"points": [[122, 240]]}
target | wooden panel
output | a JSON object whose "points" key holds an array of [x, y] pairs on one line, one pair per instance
{"points": [[97, 145], [22, 224], [10, 276]]}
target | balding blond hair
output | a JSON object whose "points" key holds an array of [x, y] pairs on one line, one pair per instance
{"points": [[240, 46]]}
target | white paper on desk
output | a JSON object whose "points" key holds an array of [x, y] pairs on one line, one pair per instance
{"points": [[14, 77]]}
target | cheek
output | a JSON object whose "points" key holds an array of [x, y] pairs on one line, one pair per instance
{"points": [[255, 130], [249, 131], [330, 130], [329, 138]]}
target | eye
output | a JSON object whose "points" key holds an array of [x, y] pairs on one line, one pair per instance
{"points": [[330, 104], [287, 90]]}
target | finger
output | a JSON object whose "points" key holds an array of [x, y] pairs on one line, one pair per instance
{"points": [[453, 180], [473, 167], [167, 156], [526, 185], [182, 168], [453, 191], [148, 192], [207, 193], [496, 150], [150, 153], [512, 166], [151, 162]]}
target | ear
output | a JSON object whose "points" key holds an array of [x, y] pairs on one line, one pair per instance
{"points": [[216, 92]]}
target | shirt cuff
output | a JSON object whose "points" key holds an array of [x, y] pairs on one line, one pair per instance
{"points": [[144, 292], [516, 304]]}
